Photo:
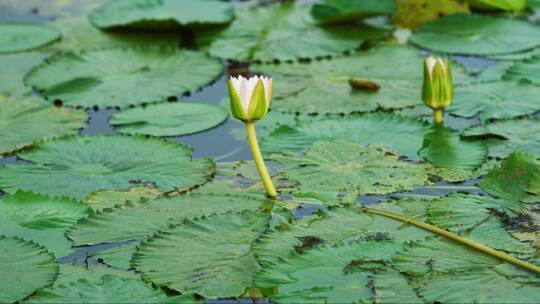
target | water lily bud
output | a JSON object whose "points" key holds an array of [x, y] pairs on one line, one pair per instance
{"points": [[438, 90], [250, 98]]}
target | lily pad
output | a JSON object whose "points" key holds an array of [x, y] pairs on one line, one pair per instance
{"points": [[477, 35], [340, 168], [324, 86], [108, 199], [110, 289], [496, 100], [284, 32], [413, 13], [161, 13], [14, 67], [118, 257], [528, 70], [505, 5], [93, 273], [26, 120], [78, 166], [169, 119], [406, 136], [123, 76], [141, 220], [337, 11], [16, 38], [224, 265], [506, 136], [29, 267]]}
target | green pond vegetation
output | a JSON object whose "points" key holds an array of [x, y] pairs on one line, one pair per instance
{"points": [[134, 215]]}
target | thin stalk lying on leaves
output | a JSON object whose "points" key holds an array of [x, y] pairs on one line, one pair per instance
{"points": [[501, 255]]}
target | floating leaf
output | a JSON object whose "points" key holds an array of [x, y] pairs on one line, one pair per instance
{"points": [[413, 13], [406, 136], [16, 38], [161, 13], [323, 86], [507, 136], [477, 35], [505, 5], [140, 221], [444, 148], [14, 67], [92, 273], [284, 32], [28, 266], [108, 199], [336, 11], [528, 70], [77, 166], [118, 257], [329, 169], [169, 119], [123, 76], [110, 289], [224, 265], [496, 100], [26, 120]]}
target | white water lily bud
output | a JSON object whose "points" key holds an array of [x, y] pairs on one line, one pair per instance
{"points": [[438, 90], [250, 98]]}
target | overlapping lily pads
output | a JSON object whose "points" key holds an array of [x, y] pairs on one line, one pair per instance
{"points": [[169, 119], [161, 13], [526, 70], [78, 166], [14, 67], [324, 86], [284, 32], [123, 76], [27, 267], [505, 5], [477, 35], [335, 11], [16, 38], [26, 120]]}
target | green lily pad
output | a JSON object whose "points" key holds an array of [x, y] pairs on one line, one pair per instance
{"points": [[477, 35], [405, 137], [528, 54], [161, 13], [506, 136], [105, 162], [413, 13], [505, 5], [26, 120], [512, 180], [284, 32], [141, 220], [169, 119], [14, 67], [108, 199], [336, 11], [528, 70], [118, 257], [29, 267], [93, 273], [323, 86], [444, 148], [16, 38], [331, 169], [110, 289], [496, 100], [224, 265], [123, 76]]}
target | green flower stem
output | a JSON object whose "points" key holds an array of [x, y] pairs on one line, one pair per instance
{"points": [[257, 157], [501, 255], [438, 117]]}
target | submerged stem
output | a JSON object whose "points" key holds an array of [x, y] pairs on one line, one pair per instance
{"points": [[259, 162], [438, 116], [501, 255]]}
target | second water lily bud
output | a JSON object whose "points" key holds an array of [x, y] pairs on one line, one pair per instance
{"points": [[250, 98], [438, 88]]}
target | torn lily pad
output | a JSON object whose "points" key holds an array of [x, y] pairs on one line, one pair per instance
{"points": [[27, 120], [123, 76], [161, 13], [79, 166], [15, 37]]}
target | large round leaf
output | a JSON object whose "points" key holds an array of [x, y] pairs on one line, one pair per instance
{"points": [[496, 100], [78, 166], [25, 120], [110, 289], [284, 32], [14, 67], [402, 135], [26, 267], [323, 86], [161, 13], [528, 69], [108, 199], [506, 136], [339, 168], [477, 35], [123, 76], [169, 119], [224, 263], [24, 37]]}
